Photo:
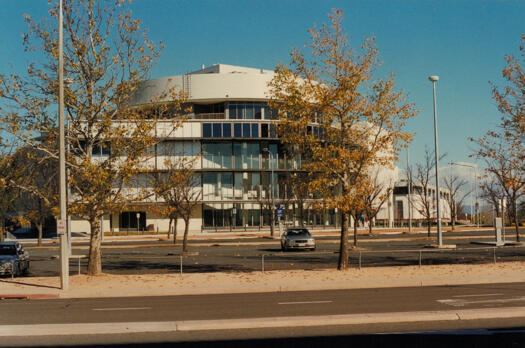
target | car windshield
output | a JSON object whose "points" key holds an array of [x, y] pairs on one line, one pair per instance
{"points": [[7, 250], [301, 232]]}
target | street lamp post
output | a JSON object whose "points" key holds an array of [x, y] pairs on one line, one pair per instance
{"points": [[434, 79], [409, 184], [64, 253]]}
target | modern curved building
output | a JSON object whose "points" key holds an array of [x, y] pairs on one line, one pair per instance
{"points": [[243, 169]]}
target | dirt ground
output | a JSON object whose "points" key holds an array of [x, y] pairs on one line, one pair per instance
{"points": [[107, 285]]}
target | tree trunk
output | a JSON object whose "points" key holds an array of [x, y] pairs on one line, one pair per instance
{"points": [[429, 225], [175, 231], [185, 240], [370, 225], [272, 227], [301, 213], [95, 261], [343, 244], [39, 227], [2, 228], [515, 213], [169, 228], [355, 230]]}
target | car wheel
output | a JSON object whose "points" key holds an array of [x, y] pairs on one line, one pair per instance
{"points": [[26, 270], [17, 270]]}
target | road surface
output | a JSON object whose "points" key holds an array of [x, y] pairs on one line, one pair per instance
{"points": [[261, 315]]}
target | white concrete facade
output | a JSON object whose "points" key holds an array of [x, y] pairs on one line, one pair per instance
{"points": [[242, 162]]}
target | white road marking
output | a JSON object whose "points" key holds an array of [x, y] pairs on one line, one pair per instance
{"points": [[120, 309], [303, 302], [478, 295], [461, 302]]}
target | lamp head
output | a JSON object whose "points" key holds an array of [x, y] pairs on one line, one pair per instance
{"points": [[433, 78]]}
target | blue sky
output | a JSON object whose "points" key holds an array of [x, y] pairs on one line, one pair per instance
{"points": [[464, 42]]}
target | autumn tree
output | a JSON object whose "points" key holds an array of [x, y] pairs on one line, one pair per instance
{"points": [[455, 196], [492, 193], [38, 189], [423, 179], [178, 185], [502, 160], [502, 148], [298, 194], [376, 194], [11, 172], [106, 58], [333, 108]]}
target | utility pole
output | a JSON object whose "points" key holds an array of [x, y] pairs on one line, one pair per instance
{"points": [[61, 226], [409, 184], [434, 79]]}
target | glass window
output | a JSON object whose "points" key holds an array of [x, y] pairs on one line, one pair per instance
{"points": [[255, 184], [237, 155], [95, 150], [273, 155], [206, 130], [105, 149], [237, 130], [238, 186], [255, 130], [240, 111], [207, 213], [258, 112], [269, 114], [245, 130], [226, 130], [217, 155], [227, 185], [273, 131], [128, 220], [217, 130], [264, 130], [233, 111], [249, 111], [209, 185], [244, 153], [252, 152]]}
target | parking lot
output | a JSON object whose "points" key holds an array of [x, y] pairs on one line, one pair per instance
{"points": [[256, 254]]}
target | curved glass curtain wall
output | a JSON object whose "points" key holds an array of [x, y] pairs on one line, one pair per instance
{"points": [[244, 168]]}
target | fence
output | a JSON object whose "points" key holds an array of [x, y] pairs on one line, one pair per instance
{"points": [[250, 260]]}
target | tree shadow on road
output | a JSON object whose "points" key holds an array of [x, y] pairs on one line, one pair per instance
{"points": [[26, 283], [141, 267]]}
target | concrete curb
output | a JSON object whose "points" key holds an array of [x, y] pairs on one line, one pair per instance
{"points": [[64, 329]]}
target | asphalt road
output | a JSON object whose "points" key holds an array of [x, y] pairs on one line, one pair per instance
{"points": [[376, 303], [246, 254]]}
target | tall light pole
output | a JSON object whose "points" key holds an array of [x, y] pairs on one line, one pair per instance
{"points": [[409, 184], [434, 79], [61, 226]]}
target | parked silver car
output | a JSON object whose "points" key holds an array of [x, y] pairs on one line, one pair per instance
{"points": [[297, 238], [14, 260]]}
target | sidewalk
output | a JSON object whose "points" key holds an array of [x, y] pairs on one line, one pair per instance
{"points": [[108, 285]]}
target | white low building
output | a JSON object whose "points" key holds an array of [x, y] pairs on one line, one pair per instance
{"points": [[403, 202]]}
